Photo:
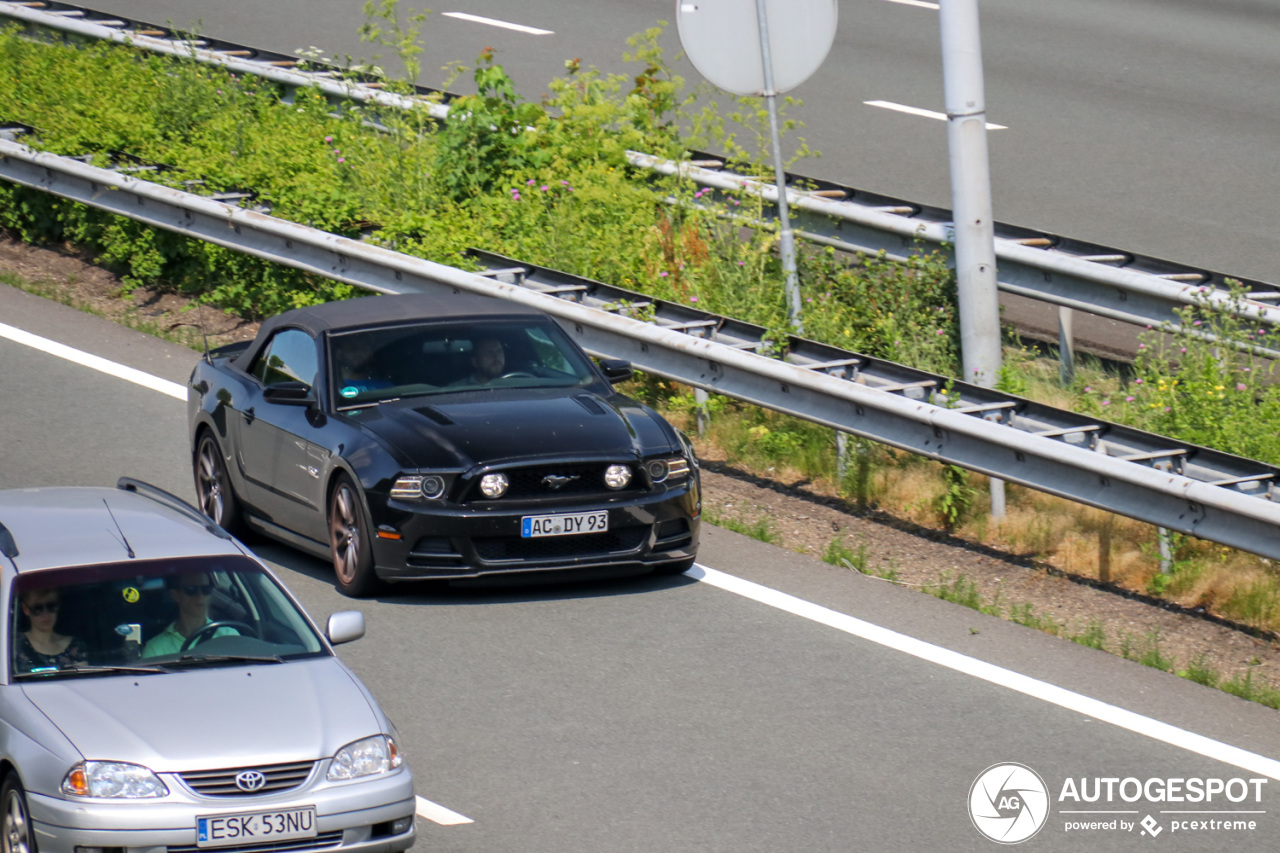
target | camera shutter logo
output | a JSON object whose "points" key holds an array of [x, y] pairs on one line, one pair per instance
{"points": [[1008, 803]]}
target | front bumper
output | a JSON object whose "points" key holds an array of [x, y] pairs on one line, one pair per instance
{"points": [[357, 817], [445, 541]]}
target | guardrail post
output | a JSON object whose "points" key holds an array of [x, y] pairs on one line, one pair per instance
{"points": [[701, 398], [1066, 347], [1166, 550]]}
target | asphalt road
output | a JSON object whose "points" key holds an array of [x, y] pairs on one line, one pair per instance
{"points": [[761, 703], [1147, 125]]}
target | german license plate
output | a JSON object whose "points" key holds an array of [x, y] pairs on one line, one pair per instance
{"points": [[533, 526], [255, 827]]}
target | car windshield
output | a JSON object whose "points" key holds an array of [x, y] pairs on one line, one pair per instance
{"points": [[153, 616], [445, 358]]}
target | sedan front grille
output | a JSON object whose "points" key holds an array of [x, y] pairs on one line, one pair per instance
{"points": [[323, 841], [222, 783]]}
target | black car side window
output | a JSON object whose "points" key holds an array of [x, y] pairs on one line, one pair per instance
{"points": [[290, 356]]}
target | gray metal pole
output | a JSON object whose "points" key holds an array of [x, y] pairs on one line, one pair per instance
{"points": [[787, 239], [1066, 347], [971, 201]]}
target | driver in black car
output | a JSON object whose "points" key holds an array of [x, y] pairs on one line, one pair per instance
{"points": [[191, 593], [487, 361]]}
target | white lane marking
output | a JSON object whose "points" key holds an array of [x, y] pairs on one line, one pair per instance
{"points": [[520, 28], [990, 672], [129, 374], [919, 3], [916, 111], [438, 813]]}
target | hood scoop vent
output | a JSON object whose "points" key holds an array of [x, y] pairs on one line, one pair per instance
{"points": [[591, 404], [435, 415]]}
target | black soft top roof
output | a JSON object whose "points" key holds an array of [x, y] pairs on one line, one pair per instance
{"points": [[370, 311]]}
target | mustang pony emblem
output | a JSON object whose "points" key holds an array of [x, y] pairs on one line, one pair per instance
{"points": [[556, 481]]}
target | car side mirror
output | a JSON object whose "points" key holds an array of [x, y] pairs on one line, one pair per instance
{"points": [[291, 393], [344, 626], [616, 370]]}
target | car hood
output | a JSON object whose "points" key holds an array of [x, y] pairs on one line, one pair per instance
{"points": [[203, 719], [486, 427]]}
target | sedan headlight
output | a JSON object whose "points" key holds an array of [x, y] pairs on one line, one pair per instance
{"points": [[113, 780], [376, 754]]}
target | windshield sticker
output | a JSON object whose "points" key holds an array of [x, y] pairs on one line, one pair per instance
{"points": [[349, 391], [130, 595]]}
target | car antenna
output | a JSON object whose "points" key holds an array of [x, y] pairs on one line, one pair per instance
{"points": [[123, 540]]}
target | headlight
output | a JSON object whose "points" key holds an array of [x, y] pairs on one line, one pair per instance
{"points": [[494, 485], [617, 476], [376, 754], [112, 779], [676, 468], [411, 488]]}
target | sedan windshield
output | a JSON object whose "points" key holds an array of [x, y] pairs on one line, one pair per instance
{"points": [[444, 358], [150, 616]]}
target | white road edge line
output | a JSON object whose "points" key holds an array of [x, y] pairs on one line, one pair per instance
{"points": [[920, 3], [1025, 684], [129, 374], [989, 672], [520, 28], [439, 814], [916, 111]]}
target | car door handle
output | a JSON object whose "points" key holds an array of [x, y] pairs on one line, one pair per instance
{"points": [[249, 415]]}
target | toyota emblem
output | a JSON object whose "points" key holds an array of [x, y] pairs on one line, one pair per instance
{"points": [[250, 780]]}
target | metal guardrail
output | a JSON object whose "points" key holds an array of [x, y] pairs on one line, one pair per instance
{"points": [[1072, 274], [1194, 490]]}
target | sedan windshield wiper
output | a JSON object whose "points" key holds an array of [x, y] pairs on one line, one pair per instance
{"points": [[200, 660], [94, 669]]}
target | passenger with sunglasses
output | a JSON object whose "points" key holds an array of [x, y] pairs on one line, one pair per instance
{"points": [[192, 593], [43, 648]]}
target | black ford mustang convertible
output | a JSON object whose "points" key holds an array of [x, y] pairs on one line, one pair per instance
{"points": [[442, 437]]}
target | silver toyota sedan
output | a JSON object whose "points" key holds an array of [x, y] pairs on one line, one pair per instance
{"points": [[163, 693]]}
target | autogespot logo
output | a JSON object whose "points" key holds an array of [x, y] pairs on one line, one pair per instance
{"points": [[1008, 803]]}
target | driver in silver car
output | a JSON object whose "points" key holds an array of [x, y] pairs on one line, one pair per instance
{"points": [[192, 593]]}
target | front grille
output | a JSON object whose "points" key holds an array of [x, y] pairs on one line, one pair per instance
{"points": [[587, 479], [498, 549], [222, 783], [323, 841]]}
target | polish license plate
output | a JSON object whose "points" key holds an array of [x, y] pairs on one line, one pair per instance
{"points": [[534, 526], [255, 827]]}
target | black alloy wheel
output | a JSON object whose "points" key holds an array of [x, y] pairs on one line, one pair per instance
{"points": [[349, 541], [16, 834], [213, 487]]}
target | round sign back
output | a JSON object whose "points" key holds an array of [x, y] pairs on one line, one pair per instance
{"points": [[722, 40]]}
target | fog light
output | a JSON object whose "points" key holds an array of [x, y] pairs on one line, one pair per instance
{"points": [[493, 485], [401, 826], [617, 476]]}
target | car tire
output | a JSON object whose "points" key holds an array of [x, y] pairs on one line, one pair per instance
{"points": [[16, 831], [679, 567], [349, 541], [214, 494]]}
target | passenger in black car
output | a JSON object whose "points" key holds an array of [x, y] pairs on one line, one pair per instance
{"points": [[357, 368]]}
